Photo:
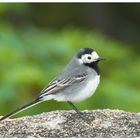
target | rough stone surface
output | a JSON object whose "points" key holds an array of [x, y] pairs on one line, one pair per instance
{"points": [[98, 123]]}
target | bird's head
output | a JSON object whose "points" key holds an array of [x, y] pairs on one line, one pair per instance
{"points": [[88, 56]]}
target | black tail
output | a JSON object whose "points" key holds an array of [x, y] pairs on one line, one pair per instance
{"points": [[34, 102]]}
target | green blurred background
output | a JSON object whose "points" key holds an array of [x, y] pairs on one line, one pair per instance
{"points": [[38, 40]]}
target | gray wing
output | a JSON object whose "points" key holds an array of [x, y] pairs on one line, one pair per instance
{"points": [[57, 85], [72, 73]]}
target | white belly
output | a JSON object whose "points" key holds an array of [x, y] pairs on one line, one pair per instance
{"points": [[80, 94], [87, 91]]}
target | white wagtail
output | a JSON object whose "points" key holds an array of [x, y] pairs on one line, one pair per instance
{"points": [[77, 82]]}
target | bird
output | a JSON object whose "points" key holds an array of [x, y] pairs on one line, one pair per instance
{"points": [[78, 81]]}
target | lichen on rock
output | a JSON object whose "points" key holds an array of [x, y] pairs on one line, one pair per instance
{"points": [[61, 124]]}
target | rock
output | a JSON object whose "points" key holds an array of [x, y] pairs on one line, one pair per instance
{"points": [[99, 123]]}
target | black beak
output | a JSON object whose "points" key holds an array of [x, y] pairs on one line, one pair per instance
{"points": [[101, 58]]}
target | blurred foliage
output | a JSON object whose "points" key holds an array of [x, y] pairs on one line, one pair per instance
{"points": [[30, 57], [120, 21]]}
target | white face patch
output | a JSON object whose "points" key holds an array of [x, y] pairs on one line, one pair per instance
{"points": [[95, 55], [80, 61], [89, 58]]}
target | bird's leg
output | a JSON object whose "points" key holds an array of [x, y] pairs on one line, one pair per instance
{"points": [[78, 112], [74, 107]]}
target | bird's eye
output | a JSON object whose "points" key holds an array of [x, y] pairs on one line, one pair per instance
{"points": [[89, 57]]}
